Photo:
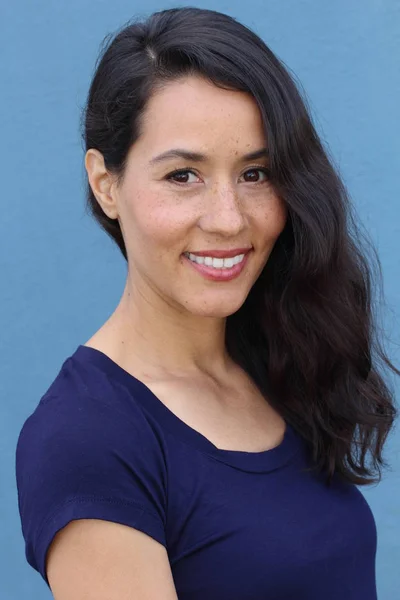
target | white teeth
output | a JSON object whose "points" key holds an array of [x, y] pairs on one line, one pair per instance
{"points": [[238, 259], [197, 259], [217, 263], [228, 262]]}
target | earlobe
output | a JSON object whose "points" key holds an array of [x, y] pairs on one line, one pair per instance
{"points": [[100, 181]]}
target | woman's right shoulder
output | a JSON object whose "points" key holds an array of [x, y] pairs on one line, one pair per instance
{"points": [[85, 416], [81, 454], [82, 400], [81, 389]]}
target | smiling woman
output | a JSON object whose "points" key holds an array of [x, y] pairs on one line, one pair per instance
{"points": [[193, 186], [206, 442]]}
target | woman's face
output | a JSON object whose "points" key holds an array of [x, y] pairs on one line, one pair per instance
{"points": [[217, 201]]}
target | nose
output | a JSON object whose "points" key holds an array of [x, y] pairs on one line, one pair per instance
{"points": [[223, 212]]}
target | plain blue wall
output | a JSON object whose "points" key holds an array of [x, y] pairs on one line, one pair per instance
{"points": [[62, 277]]}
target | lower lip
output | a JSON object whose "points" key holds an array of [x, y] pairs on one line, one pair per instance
{"points": [[219, 274]]}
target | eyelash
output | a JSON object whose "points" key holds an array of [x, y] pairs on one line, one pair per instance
{"points": [[188, 170]]}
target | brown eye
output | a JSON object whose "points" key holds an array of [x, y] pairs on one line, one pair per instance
{"points": [[253, 175], [181, 176]]}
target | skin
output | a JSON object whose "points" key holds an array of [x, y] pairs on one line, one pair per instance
{"points": [[168, 328], [224, 202]]}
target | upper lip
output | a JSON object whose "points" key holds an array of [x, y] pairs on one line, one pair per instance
{"points": [[221, 253]]}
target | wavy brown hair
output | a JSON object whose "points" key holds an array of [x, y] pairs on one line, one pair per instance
{"points": [[306, 333]]}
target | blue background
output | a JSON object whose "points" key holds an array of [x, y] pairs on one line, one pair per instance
{"points": [[62, 277]]}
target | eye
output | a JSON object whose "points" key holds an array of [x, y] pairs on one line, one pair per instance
{"points": [[181, 176], [253, 175]]}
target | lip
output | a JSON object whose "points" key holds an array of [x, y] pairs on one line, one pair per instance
{"points": [[222, 253], [219, 274]]}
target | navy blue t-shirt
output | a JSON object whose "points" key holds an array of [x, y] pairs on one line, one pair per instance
{"points": [[237, 525]]}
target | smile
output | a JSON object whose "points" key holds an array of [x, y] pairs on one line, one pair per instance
{"points": [[216, 263], [217, 269]]}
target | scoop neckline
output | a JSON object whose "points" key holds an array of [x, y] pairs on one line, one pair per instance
{"points": [[257, 462]]}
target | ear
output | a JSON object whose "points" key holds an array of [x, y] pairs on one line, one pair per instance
{"points": [[101, 182]]}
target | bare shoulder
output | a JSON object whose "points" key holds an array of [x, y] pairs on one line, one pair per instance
{"points": [[92, 559]]}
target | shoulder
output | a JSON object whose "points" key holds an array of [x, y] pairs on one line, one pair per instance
{"points": [[67, 427], [84, 419], [84, 409], [79, 456]]}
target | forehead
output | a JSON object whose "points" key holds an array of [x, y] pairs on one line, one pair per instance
{"points": [[195, 113]]}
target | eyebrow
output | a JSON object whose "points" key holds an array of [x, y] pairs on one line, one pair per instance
{"points": [[198, 157]]}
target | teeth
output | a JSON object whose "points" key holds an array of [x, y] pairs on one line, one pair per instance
{"points": [[228, 262], [217, 263]]}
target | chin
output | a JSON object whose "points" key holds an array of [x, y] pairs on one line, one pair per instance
{"points": [[216, 307]]}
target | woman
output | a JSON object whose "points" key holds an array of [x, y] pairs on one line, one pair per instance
{"points": [[206, 442]]}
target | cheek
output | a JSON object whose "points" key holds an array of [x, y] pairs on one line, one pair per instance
{"points": [[270, 218], [281, 213], [159, 223]]}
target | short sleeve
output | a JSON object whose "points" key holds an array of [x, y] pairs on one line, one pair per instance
{"points": [[79, 458]]}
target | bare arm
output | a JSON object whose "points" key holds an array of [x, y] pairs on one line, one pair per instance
{"points": [[92, 559]]}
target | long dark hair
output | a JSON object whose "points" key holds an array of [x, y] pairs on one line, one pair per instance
{"points": [[306, 333]]}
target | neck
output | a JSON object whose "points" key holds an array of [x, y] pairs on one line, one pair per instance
{"points": [[147, 331]]}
